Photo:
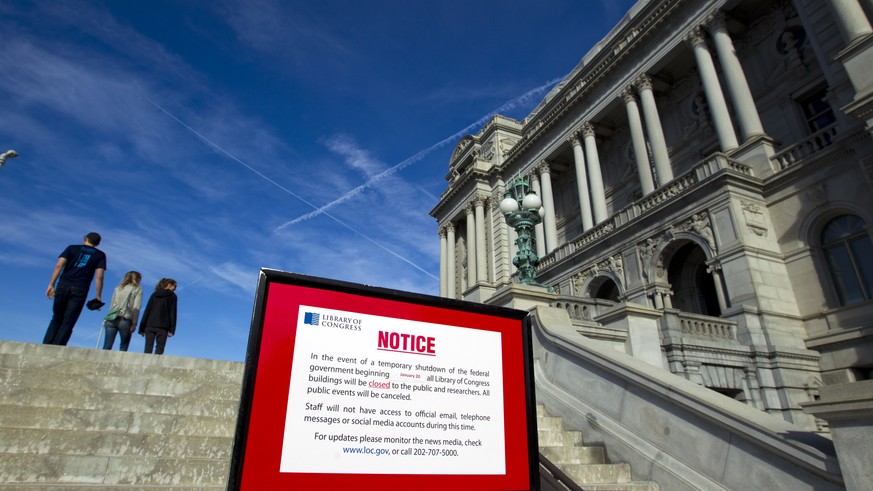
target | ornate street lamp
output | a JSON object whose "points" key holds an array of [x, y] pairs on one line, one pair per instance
{"points": [[523, 211], [8, 154]]}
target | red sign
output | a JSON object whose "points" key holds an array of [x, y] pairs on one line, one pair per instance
{"points": [[355, 387]]}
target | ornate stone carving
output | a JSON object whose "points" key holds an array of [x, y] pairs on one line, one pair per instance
{"points": [[587, 130], [543, 167], [700, 224], [575, 139], [580, 279], [505, 145], [612, 264], [646, 251], [754, 217], [695, 37], [627, 95], [716, 21], [486, 151], [643, 82]]}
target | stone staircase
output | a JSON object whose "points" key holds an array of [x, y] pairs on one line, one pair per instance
{"points": [[93, 420], [585, 465], [87, 419]]}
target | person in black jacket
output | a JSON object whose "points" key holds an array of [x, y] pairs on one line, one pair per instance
{"points": [[159, 319]]}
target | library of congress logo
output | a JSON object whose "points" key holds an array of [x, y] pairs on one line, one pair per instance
{"points": [[330, 320]]}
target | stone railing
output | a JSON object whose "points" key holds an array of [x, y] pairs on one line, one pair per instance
{"points": [[582, 309], [714, 164], [808, 147], [703, 325]]}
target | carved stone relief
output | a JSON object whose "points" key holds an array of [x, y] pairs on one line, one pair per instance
{"points": [[754, 217], [505, 145], [486, 151]]}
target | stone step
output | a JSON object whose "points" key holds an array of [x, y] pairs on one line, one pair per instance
{"points": [[552, 438], [628, 486], [75, 398], [114, 421], [574, 455], [550, 423], [586, 474], [172, 382], [94, 470], [43, 357], [28, 486], [585, 465], [112, 444]]}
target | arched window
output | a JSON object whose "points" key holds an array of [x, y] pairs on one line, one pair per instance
{"points": [[849, 253]]}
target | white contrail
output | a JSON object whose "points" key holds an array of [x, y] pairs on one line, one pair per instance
{"points": [[283, 188], [420, 155]]}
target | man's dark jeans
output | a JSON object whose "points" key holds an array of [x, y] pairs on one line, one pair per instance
{"points": [[69, 301]]}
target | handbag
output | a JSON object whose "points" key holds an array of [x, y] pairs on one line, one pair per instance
{"points": [[113, 313]]}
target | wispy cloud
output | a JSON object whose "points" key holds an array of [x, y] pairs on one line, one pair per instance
{"points": [[283, 29], [340, 222], [421, 154]]}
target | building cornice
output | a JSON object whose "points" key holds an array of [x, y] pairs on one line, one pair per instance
{"points": [[583, 82]]}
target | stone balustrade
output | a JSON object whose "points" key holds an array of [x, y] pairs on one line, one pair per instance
{"points": [[806, 148], [704, 325], [712, 165]]}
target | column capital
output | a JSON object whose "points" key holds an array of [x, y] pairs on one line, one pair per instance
{"points": [[441, 232], [575, 139], [587, 129], [544, 167], [716, 21], [627, 95], [643, 82], [694, 38], [469, 208], [450, 227], [479, 200]]}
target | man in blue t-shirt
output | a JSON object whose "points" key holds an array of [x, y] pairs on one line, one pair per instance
{"points": [[76, 267]]}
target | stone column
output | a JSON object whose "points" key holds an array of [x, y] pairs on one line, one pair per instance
{"points": [[658, 299], [582, 182], [539, 229], [712, 88], [641, 153], [668, 299], [655, 131], [450, 271], [549, 225], [481, 249], [737, 85], [598, 194], [443, 261], [851, 19], [719, 286], [471, 247]]}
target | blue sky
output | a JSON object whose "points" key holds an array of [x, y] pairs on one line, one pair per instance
{"points": [[208, 139]]}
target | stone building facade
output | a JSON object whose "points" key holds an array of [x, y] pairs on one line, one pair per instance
{"points": [[705, 173]]}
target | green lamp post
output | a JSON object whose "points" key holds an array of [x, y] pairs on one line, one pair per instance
{"points": [[522, 209]]}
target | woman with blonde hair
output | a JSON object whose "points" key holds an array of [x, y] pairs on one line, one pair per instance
{"points": [[125, 305]]}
